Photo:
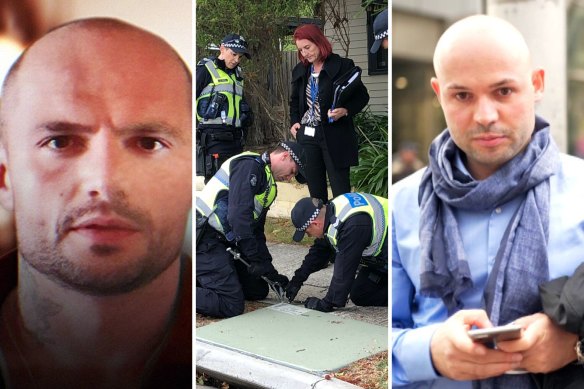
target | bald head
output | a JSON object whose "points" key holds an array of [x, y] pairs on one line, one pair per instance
{"points": [[88, 46], [487, 89], [97, 131], [479, 35]]}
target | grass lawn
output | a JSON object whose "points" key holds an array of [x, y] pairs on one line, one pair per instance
{"points": [[281, 231]]}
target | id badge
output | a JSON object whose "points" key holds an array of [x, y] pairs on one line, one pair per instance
{"points": [[309, 131]]}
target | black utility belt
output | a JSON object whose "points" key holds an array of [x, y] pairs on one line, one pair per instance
{"points": [[218, 130], [222, 135]]}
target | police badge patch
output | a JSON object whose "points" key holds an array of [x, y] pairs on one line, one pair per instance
{"points": [[253, 180]]}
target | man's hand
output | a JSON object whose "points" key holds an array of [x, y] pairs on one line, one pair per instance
{"points": [[318, 304], [456, 356], [294, 129], [545, 346], [279, 278], [292, 289], [260, 268]]}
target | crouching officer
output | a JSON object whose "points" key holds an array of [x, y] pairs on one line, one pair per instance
{"points": [[355, 227], [231, 213], [222, 113]]}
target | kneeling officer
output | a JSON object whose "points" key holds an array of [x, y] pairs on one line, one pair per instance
{"points": [[231, 213], [355, 227]]}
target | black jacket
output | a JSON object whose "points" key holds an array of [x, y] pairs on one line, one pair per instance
{"points": [[563, 301], [354, 235], [340, 135], [246, 180], [173, 366]]}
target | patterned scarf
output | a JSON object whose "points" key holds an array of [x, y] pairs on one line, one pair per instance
{"points": [[521, 263]]}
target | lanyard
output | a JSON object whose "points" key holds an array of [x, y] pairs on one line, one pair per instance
{"points": [[313, 90]]}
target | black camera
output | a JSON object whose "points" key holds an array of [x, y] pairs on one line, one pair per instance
{"points": [[215, 106]]}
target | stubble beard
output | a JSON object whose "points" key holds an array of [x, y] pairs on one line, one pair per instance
{"points": [[123, 274]]}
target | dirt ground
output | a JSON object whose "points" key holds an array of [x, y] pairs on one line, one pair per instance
{"points": [[368, 373]]}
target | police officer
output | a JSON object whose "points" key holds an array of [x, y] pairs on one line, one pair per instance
{"points": [[380, 32], [231, 213], [222, 112], [355, 226]]}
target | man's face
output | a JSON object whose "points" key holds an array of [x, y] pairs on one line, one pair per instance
{"points": [[231, 58], [97, 160], [488, 98], [315, 230], [283, 167]]}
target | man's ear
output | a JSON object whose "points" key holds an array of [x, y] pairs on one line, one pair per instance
{"points": [[436, 88], [6, 197], [538, 81]]}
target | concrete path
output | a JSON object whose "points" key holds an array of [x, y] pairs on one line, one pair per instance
{"points": [[287, 258], [252, 371], [249, 371]]}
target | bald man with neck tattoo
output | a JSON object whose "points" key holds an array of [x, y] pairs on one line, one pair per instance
{"points": [[96, 162]]}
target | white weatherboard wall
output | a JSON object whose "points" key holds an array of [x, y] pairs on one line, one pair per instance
{"points": [[377, 85]]}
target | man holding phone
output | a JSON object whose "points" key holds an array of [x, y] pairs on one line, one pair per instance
{"points": [[493, 216]]}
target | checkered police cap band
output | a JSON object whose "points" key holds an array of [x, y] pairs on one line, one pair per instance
{"points": [[292, 154], [310, 220], [234, 45], [382, 35]]}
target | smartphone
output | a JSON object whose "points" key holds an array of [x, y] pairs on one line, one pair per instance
{"points": [[495, 334]]}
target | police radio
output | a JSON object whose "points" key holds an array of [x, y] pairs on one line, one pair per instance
{"points": [[215, 105]]}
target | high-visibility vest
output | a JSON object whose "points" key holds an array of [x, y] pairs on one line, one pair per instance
{"points": [[349, 204], [227, 85], [207, 200]]}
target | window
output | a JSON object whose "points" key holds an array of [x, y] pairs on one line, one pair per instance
{"points": [[378, 62]]}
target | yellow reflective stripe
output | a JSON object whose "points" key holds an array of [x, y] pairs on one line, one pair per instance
{"points": [[374, 208], [223, 88], [213, 71], [228, 86], [205, 202], [379, 226]]}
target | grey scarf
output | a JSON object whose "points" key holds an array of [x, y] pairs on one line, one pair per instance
{"points": [[521, 263]]}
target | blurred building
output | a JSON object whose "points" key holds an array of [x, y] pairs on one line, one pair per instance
{"points": [[553, 30]]}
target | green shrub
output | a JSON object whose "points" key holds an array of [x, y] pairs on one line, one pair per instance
{"points": [[371, 176]]}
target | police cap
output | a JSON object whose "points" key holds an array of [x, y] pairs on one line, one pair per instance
{"points": [[380, 30], [297, 153], [304, 212], [236, 43]]}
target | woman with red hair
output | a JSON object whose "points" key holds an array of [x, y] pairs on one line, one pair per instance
{"points": [[327, 133]]}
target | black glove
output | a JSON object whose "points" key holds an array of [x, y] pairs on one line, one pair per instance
{"points": [[293, 288], [279, 278], [249, 249], [261, 268], [318, 304]]}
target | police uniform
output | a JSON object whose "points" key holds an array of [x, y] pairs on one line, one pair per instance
{"points": [[222, 113], [356, 230], [231, 212]]}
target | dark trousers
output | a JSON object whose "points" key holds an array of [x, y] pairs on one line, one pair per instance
{"points": [[222, 283], [319, 164], [220, 145], [370, 288]]}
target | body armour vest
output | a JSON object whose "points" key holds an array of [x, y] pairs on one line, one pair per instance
{"points": [[230, 90], [349, 204], [209, 203]]}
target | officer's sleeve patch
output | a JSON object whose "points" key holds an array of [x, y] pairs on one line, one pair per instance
{"points": [[253, 180]]}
